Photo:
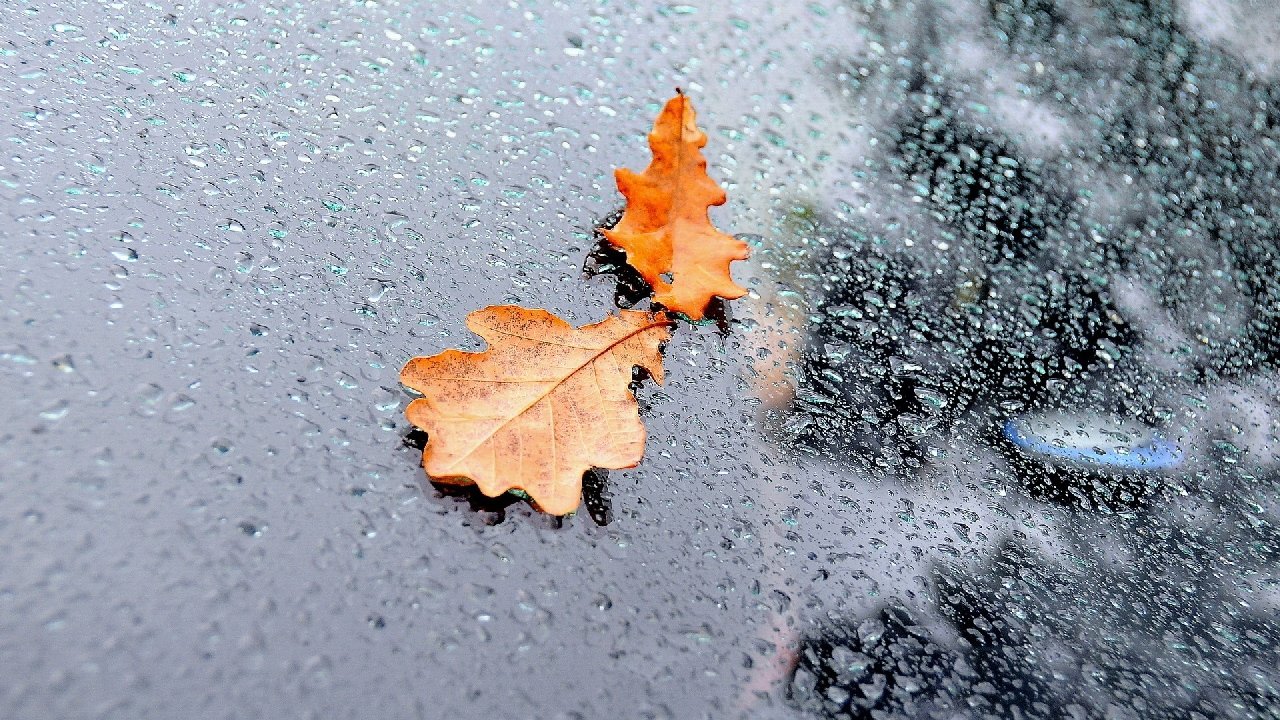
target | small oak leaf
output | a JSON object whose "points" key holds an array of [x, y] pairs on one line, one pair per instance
{"points": [[665, 229], [542, 405]]}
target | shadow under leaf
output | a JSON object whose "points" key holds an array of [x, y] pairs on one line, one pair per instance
{"points": [[606, 258]]}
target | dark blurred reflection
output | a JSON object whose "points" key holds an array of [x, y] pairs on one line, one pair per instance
{"points": [[1126, 644], [1102, 281]]}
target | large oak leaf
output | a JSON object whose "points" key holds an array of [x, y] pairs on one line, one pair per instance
{"points": [[542, 405], [665, 229]]}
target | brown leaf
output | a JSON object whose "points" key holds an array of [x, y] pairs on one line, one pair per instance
{"points": [[542, 405], [665, 229]]}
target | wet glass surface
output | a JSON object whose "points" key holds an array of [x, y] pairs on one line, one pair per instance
{"points": [[994, 434]]}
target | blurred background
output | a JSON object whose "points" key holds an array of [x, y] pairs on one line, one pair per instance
{"points": [[994, 434]]}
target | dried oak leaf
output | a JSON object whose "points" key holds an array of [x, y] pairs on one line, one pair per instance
{"points": [[542, 405], [665, 229]]}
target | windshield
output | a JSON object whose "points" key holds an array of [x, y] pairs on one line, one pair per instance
{"points": [[992, 433]]}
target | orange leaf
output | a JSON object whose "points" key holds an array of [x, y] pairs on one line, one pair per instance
{"points": [[665, 229], [542, 405]]}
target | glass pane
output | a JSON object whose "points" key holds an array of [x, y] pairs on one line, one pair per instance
{"points": [[992, 435]]}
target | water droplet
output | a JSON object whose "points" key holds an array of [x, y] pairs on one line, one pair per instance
{"points": [[56, 412]]}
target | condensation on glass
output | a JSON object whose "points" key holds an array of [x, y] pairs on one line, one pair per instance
{"points": [[993, 435]]}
